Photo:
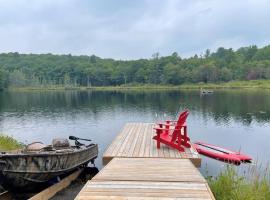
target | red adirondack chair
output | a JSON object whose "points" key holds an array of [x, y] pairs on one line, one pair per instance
{"points": [[173, 133]]}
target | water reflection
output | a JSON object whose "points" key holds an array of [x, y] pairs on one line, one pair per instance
{"points": [[230, 118], [243, 106]]}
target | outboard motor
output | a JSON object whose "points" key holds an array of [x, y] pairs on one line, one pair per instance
{"points": [[77, 143]]}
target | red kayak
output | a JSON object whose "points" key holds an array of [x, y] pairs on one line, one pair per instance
{"points": [[220, 153]]}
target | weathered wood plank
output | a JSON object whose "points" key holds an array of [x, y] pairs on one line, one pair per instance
{"points": [[123, 147], [143, 146], [51, 191], [136, 136], [148, 144], [128, 141], [150, 169], [135, 140], [6, 195], [146, 189], [147, 178], [154, 149], [136, 198], [116, 144], [138, 145]]}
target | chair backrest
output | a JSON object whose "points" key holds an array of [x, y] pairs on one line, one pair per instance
{"points": [[182, 119]]}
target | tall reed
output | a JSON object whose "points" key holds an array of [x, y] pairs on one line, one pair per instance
{"points": [[233, 184]]}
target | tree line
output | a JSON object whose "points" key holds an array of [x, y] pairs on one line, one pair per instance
{"points": [[223, 65]]}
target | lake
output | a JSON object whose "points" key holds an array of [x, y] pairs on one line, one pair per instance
{"points": [[237, 119]]}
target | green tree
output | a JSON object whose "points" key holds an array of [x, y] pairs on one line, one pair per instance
{"points": [[2, 79], [206, 73], [17, 79], [222, 65]]}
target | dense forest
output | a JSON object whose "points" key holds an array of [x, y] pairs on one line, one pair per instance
{"points": [[223, 65]]}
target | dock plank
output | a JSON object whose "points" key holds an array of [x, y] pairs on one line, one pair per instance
{"points": [[148, 144], [132, 134], [135, 141], [113, 148], [143, 145], [138, 145], [147, 178], [123, 145], [148, 169], [131, 189]]}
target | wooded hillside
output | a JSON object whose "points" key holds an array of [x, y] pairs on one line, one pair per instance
{"points": [[246, 63]]}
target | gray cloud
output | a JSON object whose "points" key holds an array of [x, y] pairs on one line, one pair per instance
{"points": [[124, 29]]}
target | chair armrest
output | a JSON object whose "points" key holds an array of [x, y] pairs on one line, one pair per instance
{"points": [[162, 123], [167, 122], [171, 121], [167, 129], [175, 126]]}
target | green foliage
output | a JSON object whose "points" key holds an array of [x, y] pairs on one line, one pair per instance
{"points": [[3, 78], [45, 70], [8, 143], [230, 185]]}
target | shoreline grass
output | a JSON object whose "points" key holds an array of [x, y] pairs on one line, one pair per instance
{"points": [[230, 184], [253, 84], [8, 143]]}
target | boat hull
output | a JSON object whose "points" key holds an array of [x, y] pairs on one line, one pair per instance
{"points": [[28, 171]]}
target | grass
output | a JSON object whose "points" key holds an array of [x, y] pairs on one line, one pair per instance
{"points": [[8, 143], [263, 84], [230, 185]]}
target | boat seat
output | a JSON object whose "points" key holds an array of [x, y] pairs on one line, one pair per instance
{"points": [[60, 143], [35, 146]]}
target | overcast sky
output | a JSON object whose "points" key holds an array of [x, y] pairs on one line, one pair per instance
{"points": [[131, 29]]}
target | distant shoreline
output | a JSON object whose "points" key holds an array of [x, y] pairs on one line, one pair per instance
{"points": [[255, 84]]}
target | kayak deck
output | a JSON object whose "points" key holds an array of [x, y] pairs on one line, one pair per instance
{"points": [[220, 153]]}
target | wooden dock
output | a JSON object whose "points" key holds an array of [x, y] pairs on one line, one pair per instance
{"points": [[135, 141], [136, 169], [147, 178]]}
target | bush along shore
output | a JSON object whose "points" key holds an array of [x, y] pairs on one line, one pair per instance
{"points": [[255, 84], [8, 143], [250, 185]]}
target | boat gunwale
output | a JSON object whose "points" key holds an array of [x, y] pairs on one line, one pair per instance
{"points": [[42, 154], [42, 172]]}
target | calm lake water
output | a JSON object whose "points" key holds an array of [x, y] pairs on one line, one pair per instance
{"points": [[237, 119]]}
